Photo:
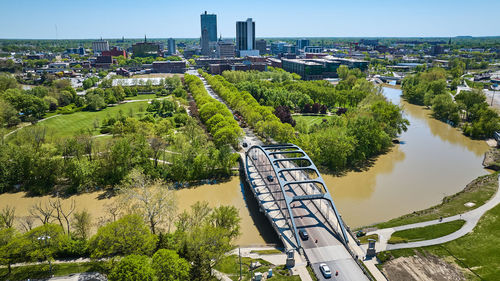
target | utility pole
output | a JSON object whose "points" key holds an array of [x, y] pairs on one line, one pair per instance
{"points": [[239, 253], [493, 95]]}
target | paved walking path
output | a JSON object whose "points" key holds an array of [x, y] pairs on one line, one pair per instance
{"points": [[471, 219], [41, 120]]}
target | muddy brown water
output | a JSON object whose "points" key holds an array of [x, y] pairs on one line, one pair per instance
{"points": [[433, 160]]}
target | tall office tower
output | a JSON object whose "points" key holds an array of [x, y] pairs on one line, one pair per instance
{"points": [[171, 46], [209, 22], [205, 42], [302, 43], [245, 38]]}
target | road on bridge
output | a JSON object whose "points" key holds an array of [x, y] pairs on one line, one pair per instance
{"points": [[328, 249], [323, 245]]}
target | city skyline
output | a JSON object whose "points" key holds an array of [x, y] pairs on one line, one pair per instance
{"points": [[29, 19]]}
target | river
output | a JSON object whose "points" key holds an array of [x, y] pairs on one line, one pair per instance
{"points": [[433, 160]]}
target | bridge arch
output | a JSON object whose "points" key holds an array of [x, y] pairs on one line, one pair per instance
{"points": [[283, 158]]}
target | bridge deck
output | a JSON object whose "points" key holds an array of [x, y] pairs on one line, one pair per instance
{"points": [[316, 216]]}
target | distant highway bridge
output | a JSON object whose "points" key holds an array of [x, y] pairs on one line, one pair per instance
{"points": [[294, 197]]}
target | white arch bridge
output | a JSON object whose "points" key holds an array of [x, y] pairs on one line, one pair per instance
{"points": [[295, 199]]}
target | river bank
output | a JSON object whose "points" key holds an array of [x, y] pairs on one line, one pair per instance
{"points": [[432, 160], [226, 193]]}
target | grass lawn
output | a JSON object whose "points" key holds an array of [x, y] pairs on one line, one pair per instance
{"points": [[478, 251], [70, 124], [478, 191], [267, 252], [42, 270], [311, 273], [231, 266], [142, 97], [364, 239], [425, 233], [311, 120]]}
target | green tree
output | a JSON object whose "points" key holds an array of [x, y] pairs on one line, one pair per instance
{"points": [[41, 243], [228, 218], [128, 235], [8, 114], [444, 108], [82, 222], [7, 81], [95, 101], [343, 71], [169, 266], [472, 101], [132, 268], [9, 247]]}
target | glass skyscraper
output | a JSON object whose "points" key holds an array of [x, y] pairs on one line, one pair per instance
{"points": [[209, 22]]}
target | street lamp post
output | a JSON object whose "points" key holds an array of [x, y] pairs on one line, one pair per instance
{"points": [[45, 239], [494, 88]]}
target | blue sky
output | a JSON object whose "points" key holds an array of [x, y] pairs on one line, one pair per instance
{"points": [[274, 18]]}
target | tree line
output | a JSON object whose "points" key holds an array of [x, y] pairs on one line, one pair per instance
{"points": [[17, 105], [164, 142], [214, 114], [260, 118], [141, 236], [300, 95], [345, 140], [467, 110]]}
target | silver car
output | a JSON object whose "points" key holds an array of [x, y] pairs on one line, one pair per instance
{"points": [[325, 270]]}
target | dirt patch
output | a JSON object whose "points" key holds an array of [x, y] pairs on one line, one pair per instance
{"points": [[422, 268], [492, 159]]}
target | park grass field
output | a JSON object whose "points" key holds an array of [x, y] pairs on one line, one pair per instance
{"points": [[426, 233], [311, 119], [43, 271], [67, 125], [142, 97]]}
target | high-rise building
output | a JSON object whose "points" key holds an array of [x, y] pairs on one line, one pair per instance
{"points": [[100, 45], [225, 49], [245, 38], [209, 22], [205, 43], [261, 45], [302, 43], [171, 46]]}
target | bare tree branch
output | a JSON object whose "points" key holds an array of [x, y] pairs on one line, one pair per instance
{"points": [[42, 212], [7, 215]]}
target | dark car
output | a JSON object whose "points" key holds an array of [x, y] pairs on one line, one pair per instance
{"points": [[303, 234], [245, 144], [270, 178]]}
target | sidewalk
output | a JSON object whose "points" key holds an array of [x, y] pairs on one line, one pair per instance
{"points": [[471, 219]]}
